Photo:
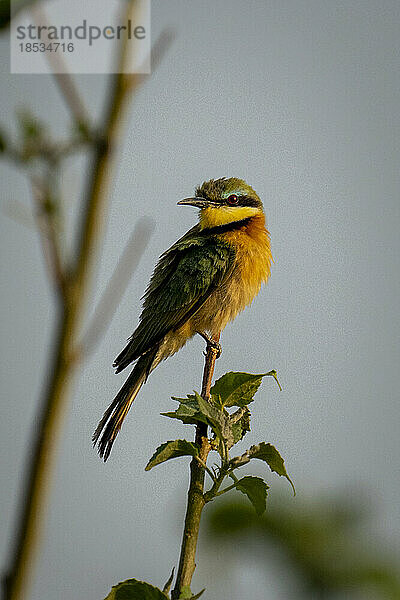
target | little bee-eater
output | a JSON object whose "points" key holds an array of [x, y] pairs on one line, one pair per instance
{"points": [[200, 284]]}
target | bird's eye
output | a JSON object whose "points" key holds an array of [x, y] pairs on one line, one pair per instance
{"points": [[232, 199]]}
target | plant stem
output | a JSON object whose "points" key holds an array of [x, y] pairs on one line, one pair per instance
{"points": [[40, 467], [227, 489], [41, 464], [214, 491], [196, 502], [204, 466]]}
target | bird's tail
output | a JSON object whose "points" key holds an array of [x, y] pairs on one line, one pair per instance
{"points": [[109, 426]]}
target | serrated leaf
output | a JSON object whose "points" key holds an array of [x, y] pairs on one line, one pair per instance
{"points": [[255, 489], [132, 589], [188, 411], [237, 389], [172, 449], [186, 419], [214, 415], [241, 427], [190, 401], [269, 454], [226, 427], [219, 420]]}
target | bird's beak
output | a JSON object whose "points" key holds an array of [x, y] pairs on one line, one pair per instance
{"points": [[197, 202]]}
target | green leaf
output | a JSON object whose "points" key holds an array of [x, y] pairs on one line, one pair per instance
{"points": [[188, 411], [187, 418], [190, 401], [269, 454], [212, 414], [226, 427], [172, 449], [241, 427], [255, 489], [219, 420], [132, 589], [238, 389]]}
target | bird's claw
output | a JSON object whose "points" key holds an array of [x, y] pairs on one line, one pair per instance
{"points": [[215, 347], [211, 345]]}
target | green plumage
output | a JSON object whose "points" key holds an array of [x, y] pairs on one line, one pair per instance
{"points": [[183, 279], [174, 309]]}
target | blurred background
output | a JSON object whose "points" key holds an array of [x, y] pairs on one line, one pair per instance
{"points": [[299, 98]]}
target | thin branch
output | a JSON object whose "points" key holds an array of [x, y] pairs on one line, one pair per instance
{"points": [[99, 182], [116, 287], [64, 79], [51, 151], [214, 490], [227, 489], [50, 242], [69, 93], [47, 429], [196, 500], [203, 464]]}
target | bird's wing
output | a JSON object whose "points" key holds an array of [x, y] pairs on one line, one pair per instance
{"points": [[182, 281]]}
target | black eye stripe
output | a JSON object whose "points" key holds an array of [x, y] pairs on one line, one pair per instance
{"points": [[248, 201], [243, 201]]}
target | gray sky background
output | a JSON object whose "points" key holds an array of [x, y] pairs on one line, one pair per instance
{"points": [[301, 99]]}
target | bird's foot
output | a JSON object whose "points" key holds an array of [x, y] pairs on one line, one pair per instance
{"points": [[215, 347], [211, 344]]}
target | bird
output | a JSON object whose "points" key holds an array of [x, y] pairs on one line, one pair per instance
{"points": [[198, 286]]}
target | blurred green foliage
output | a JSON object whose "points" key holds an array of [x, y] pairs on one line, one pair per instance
{"points": [[5, 6], [322, 541], [4, 13]]}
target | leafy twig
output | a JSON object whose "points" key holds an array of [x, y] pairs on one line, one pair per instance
{"points": [[64, 79], [204, 466], [227, 489], [196, 501], [70, 314], [50, 242]]}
